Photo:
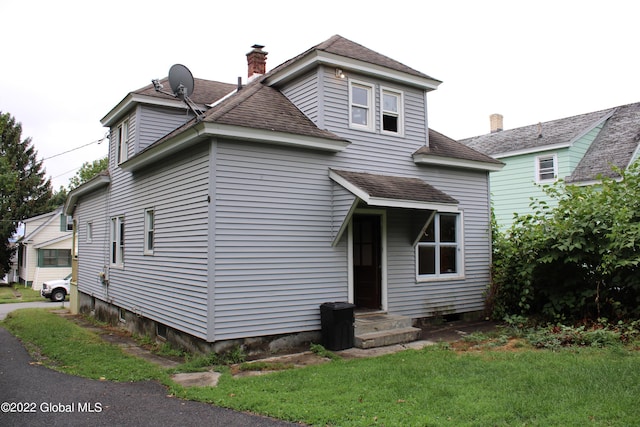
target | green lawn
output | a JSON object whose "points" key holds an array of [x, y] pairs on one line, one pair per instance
{"points": [[18, 293], [437, 386]]}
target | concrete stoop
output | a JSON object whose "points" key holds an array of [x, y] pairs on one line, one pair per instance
{"points": [[382, 329]]}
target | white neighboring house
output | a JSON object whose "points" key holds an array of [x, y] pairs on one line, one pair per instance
{"points": [[44, 253]]}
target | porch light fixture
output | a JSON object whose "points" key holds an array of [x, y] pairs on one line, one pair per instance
{"points": [[339, 73]]}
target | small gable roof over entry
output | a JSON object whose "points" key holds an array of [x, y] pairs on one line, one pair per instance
{"points": [[394, 191]]}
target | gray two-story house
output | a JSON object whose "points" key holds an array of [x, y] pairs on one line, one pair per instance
{"points": [[317, 181]]}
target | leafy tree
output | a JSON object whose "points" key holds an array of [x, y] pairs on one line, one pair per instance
{"points": [[87, 171], [580, 260], [24, 191]]}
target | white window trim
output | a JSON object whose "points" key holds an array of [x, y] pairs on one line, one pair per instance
{"points": [[460, 259], [370, 108], [123, 141], [115, 225], [537, 168], [399, 113], [148, 229], [89, 235]]}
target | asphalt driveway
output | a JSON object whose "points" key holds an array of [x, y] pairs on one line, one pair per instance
{"points": [[33, 395]]}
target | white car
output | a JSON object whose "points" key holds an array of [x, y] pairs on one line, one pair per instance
{"points": [[56, 290]]}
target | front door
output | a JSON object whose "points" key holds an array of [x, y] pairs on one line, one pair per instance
{"points": [[367, 267]]}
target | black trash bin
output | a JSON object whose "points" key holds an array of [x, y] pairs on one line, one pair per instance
{"points": [[337, 325]]}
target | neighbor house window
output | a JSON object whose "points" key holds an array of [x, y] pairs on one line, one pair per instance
{"points": [[66, 223], [361, 105], [438, 252], [149, 225], [546, 168], [122, 136], [54, 257], [117, 241], [391, 111], [89, 232]]}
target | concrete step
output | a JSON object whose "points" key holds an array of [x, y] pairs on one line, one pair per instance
{"points": [[387, 337], [365, 324]]}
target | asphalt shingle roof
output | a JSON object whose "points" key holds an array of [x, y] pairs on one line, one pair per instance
{"points": [[341, 46], [614, 145], [443, 146], [204, 91], [396, 187], [260, 106]]}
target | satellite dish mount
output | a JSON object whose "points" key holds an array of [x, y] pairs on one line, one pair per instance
{"points": [[182, 83]]}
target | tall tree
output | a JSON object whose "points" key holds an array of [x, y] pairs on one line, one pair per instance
{"points": [[24, 190], [87, 171]]}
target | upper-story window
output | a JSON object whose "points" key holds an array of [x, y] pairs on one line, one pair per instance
{"points": [[391, 111], [546, 168], [122, 141], [361, 105]]}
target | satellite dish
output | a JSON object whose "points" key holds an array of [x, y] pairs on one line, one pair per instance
{"points": [[181, 81]]}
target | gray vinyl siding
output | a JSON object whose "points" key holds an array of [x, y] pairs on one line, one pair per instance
{"points": [[244, 232], [93, 255], [342, 202], [408, 297], [156, 122], [274, 261], [304, 94], [170, 286]]}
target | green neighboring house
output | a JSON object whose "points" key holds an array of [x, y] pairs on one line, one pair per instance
{"points": [[576, 149]]}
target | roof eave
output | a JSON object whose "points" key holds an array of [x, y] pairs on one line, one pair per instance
{"points": [[315, 58], [532, 150], [205, 130], [132, 99], [86, 188], [387, 202], [430, 159]]}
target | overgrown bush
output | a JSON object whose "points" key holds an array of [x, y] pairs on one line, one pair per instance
{"points": [[578, 260]]}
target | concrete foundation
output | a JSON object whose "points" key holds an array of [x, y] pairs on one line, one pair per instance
{"points": [[252, 347]]}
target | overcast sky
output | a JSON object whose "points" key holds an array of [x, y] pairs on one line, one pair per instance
{"points": [[65, 64]]}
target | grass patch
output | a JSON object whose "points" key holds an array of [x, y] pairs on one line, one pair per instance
{"points": [[437, 386], [64, 346], [264, 366], [18, 293], [494, 384]]}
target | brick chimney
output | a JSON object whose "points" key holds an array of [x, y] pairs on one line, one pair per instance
{"points": [[257, 61], [496, 122]]}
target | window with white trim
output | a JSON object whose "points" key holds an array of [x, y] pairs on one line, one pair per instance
{"points": [[391, 111], [361, 105], [149, 220], [439, 252], [116, 248], [546, 168], [122, 141], [89, 236]]}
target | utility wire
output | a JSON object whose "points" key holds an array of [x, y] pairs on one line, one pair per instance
{"points": [[98, 141]]}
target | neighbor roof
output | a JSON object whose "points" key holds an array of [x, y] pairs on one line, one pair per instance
{"points": [[615, 145], [536, 137]]}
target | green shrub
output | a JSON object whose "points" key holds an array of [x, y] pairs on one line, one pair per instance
{"points": [[579, 260]]}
